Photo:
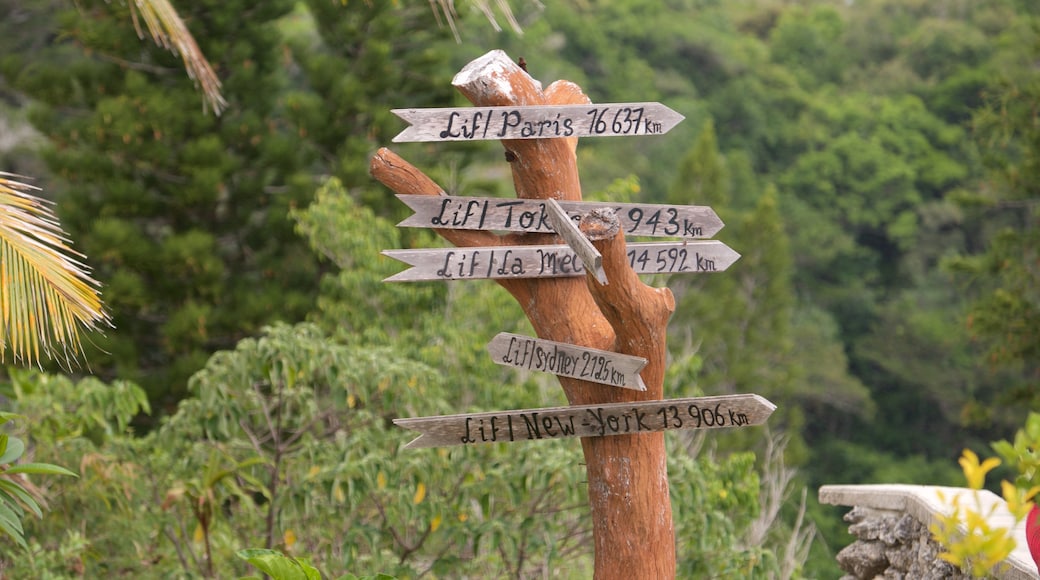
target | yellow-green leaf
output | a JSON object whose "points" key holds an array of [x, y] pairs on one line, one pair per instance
{"points": [[975, 472], [46, 293]]}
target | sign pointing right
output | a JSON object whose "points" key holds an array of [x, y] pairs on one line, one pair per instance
{"points": [[532, 215], [556, 261], [588, 420], [579, 362], [536, 122]]}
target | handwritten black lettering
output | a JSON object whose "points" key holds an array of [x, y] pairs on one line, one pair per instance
{"points": [[467, 438], [533, 430], [596, 415], [444, 272], [510, 119]]}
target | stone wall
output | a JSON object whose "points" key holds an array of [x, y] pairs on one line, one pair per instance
{"points": [[890, 524], [892, 544]]}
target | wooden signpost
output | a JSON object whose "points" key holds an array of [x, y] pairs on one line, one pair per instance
{"points": [[531, 216], [588, 420], [589, 364], [705, 256], [591, 259], [537, 122], [600, 329]]}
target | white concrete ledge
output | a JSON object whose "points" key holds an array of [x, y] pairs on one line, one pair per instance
{"points": [[922, 502]]}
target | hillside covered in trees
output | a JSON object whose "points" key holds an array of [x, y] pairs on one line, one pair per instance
{"points": [[875, 163]]}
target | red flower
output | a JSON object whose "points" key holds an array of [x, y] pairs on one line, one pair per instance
{"points": [[1033, 534]]}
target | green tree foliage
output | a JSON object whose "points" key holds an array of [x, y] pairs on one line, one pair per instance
{"points": [[939, 46], [807, 43], [185, 214], [352, 66], [746, 325], [69, 421], [723, 499], [188, 212], [1006, 313], [702, 178], [873, 163], [439, 324]]}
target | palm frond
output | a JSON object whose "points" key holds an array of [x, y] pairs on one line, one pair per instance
{"points": [[169, 31], [46, 293], [447, 8]]}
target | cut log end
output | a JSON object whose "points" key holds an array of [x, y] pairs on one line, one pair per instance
{"points": [[494, 77], [600, 224]]}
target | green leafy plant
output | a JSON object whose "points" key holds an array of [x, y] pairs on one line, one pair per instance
{"points": [[111, 511], [1023, 454], [278, 566], [17, 494], [281, 567], [208, 490]]}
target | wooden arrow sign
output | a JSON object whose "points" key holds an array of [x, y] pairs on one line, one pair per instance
{"points": [[588, 420], [537, 122], [588, 364], [555, 261], [532, 216], [591, 259]]}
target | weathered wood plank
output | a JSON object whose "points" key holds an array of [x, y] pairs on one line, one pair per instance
{"points": [[532, 216], [588, 364], [536, 122], [702, 256], [568, 230], [588, 420]]}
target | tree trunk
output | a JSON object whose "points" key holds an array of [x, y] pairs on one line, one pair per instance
{"points": [[627, 474]]}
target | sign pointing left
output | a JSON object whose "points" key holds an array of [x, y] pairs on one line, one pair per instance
{"points": [[536, 122]]}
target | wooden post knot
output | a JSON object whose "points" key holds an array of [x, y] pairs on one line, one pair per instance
{"points": [[600, 223]]}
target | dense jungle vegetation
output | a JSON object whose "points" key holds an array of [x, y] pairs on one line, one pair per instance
{"points": [[876, 162]]}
